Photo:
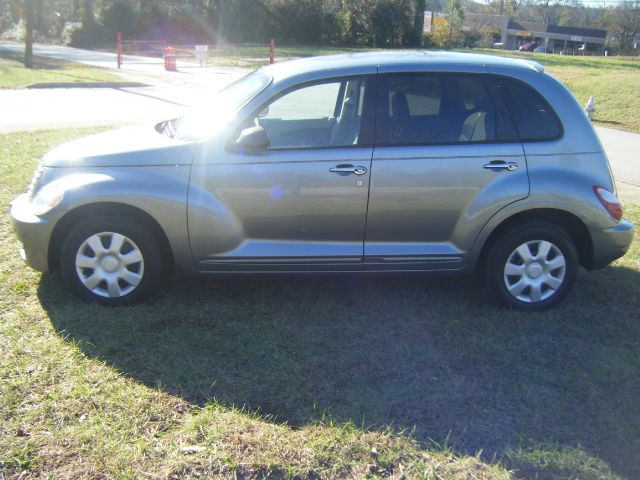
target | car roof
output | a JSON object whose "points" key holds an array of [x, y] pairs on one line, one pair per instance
{"points": [[402, 60]]}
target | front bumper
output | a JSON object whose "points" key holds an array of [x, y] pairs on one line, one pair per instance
{"points": [[34, 232], [610, 244]]}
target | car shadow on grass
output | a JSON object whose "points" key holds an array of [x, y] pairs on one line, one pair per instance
{"points": [[552, 395]]}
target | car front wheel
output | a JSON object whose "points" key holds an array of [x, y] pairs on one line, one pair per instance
{"points": [[532, 267], [110, 260]]}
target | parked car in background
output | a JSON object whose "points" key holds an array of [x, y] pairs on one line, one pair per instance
{"points": [[528, 47], [540, 49], [371, 162]]}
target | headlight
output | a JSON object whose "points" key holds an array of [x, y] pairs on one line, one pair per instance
{"points": [[46, 199], [36, 176]]}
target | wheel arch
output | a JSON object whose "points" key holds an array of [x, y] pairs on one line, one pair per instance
{"points": [[66, 223], [570, 223]]}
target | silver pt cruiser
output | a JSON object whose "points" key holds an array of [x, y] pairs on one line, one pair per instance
{"points": [[373, 162]]}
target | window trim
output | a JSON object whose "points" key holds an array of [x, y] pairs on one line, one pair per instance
{"points": [[368, 111], [501, 109]]}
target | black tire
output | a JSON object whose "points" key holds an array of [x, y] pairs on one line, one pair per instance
{"points": [[546, 282], [130, 280]]}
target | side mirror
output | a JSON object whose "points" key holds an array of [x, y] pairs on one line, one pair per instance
{"points": [[252, 140]]}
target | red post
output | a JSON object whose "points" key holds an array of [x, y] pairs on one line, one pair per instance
{"points": [[272, 50], [119, 49]]}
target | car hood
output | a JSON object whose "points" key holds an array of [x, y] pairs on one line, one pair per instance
{"points": [[131, 146]]}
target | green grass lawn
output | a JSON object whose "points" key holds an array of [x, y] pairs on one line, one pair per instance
{"points": [[13, 74], [613, 88], [278, 377]]}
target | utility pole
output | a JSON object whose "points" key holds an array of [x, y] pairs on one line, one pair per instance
{"points": [[28, 33]]}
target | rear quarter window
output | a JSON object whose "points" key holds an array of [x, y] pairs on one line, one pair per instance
{"points": [[534, 118]]}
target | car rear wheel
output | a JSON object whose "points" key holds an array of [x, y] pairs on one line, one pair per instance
{"points": [[532, 267], [110, 260]]}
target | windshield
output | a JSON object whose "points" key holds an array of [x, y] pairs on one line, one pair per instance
{"points": [[216, 112]]}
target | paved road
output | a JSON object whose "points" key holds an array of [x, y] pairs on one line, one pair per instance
{"points": [[140, 68], [82, 107], [623, 150], [170, 93]]}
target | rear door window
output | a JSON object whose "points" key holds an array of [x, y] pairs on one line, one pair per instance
{"points": [[432, 108]]}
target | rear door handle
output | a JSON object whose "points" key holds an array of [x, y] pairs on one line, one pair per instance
{"points": [[501, 165], [358, 169]]}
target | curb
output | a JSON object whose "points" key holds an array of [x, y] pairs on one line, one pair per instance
{"points": [[86, 85]]}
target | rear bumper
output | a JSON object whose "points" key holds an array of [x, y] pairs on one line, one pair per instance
{"points": [[34, 232], [610, 244]]}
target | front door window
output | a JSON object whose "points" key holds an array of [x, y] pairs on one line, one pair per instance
{"points": [[316, 116]]}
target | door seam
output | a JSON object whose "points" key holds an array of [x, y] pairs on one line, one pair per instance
{"points": [[373, 149]]}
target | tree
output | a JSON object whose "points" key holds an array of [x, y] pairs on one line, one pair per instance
{"points": [[301, 21], [28, 33], [439, 35], [547, 11], [355, 18], [624, 23], [502, 7], [391, 23], [243, 20], [418, 23], [88, 17], [455, 17]]}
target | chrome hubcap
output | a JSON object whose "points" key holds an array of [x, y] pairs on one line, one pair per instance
{"points": [[109, 264], [534, 271]]}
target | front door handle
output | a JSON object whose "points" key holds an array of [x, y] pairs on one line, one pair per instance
{"points": [[501, 165], [358, 169]]}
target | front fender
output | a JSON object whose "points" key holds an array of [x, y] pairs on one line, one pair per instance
{"points": [[158, 191]]}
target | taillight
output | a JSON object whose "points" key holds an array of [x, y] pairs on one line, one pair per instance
{"points": [[609, 201]]}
